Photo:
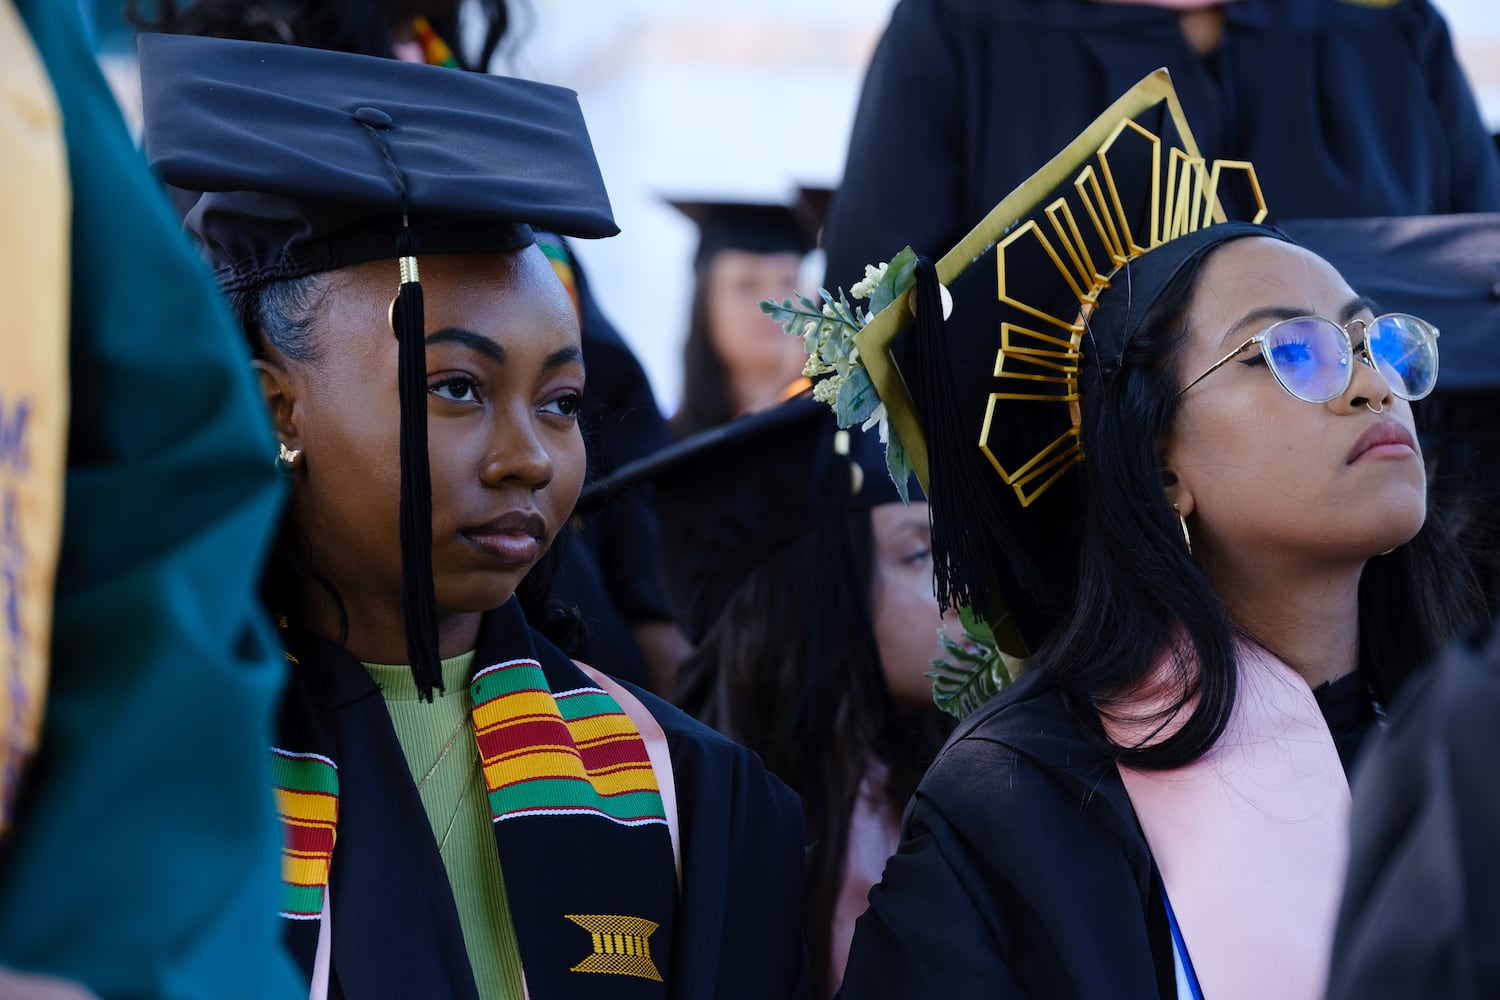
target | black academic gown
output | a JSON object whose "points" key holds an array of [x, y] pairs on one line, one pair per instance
{"points": [[608, 569], [1421, 916], [396, 931], [1346, 109], [1022, 870]]}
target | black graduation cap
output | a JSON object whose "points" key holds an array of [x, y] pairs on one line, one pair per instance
{"points": [[731, 496], [1443, 268], [816, 202], [754, 227], [308, 160], [1046, 293]]}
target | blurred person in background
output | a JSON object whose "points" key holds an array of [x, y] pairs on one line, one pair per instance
{"points": [[1347, 108], [806, 585], [735, 359]]}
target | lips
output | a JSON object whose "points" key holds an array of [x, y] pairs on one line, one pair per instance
{"points": [[514, 538], [1385, 439]]}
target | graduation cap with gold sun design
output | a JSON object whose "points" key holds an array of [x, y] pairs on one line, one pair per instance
{"points": [[985, 363]]}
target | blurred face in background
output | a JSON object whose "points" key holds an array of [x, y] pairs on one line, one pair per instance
{"points": [[904, 611], [754, 350]]}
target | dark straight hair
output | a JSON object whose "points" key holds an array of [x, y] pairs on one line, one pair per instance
{"points": [[706, 398], [790, 669], [1412, 601]]}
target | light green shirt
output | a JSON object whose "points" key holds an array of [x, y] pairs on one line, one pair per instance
{"points": [[453, 795]]}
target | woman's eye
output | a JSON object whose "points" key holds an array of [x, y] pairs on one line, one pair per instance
{"points": [[567, 405], [1292, 354], [920, 556], [458, 390]]}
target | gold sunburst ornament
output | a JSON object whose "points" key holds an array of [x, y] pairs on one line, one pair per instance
{"points": [[1040, 363]]}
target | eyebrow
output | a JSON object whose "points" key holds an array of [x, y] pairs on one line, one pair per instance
{"points": [[481, 344], [565, 356], [468, 338], [1267, 312], [1349, 310], [1357, 306]]}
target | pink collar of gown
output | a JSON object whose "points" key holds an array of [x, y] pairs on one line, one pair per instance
{"points": [[1251, 839]]}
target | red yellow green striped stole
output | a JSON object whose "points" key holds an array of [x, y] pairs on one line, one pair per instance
{"points": [[561, 259], [435, 51], [559, 753], [306, 786]]}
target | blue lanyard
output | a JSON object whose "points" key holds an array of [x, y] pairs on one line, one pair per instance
{"points": [[1187, 978]]}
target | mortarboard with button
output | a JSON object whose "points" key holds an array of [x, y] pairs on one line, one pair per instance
{"points": [[729, 497], [754, 227], [306, 161]]}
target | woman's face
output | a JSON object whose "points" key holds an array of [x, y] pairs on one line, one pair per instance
{"points": [[747, 341], [905, 612], [1262, 475], [504, 378]]}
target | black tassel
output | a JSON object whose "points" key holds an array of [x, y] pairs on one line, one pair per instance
{"points": [[968, 525], [418, 595]]}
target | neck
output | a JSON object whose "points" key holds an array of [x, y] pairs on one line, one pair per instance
{"points": [[762, 390], [376, 629], [1310, 620]]}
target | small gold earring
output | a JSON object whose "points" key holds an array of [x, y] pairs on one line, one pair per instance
{"points": [[1187, 538], [287, 458]]}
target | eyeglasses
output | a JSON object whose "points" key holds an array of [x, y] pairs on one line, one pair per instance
{"points": [[1311, 356]]}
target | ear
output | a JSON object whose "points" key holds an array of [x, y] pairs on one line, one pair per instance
{"points": [[1179, 495], [280, 391]]}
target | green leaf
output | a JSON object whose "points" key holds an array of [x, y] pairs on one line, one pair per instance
{"points": [[900, 275], [898, 465], [856, 400], [981, 671], [975, 627]]}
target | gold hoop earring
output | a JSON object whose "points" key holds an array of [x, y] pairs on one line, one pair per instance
{"points": [[1187, 538], [287, 458]]}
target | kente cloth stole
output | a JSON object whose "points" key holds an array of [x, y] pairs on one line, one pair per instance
{"points": [[590, 874], [306, 787], [580, 827]]}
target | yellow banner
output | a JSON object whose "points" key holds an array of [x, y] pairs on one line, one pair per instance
{"points": [[36, 204]]}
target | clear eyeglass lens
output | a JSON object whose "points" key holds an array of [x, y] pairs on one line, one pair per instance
{"points": [[1310, 357], [1405, 351]]}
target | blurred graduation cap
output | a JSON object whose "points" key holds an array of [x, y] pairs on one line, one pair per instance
{"points": [[731, 496], [1444, 268], [307, 161], [815, 203], [754, 227], [1047, 292]]}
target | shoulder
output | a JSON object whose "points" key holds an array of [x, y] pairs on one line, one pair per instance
{"points": [[1020, 866], [1020, 761]]}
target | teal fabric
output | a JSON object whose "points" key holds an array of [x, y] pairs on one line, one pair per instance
{"points": [[145, 857]]}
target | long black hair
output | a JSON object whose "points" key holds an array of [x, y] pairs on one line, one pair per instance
{"points": [[791, 670], [706, 397], [1412, 601]]}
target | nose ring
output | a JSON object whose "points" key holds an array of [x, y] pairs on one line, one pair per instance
{"points": [[1373, 409]]}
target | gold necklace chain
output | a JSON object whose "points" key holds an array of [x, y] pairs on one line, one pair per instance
{"points": [[443, 752], [463, 797]]}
